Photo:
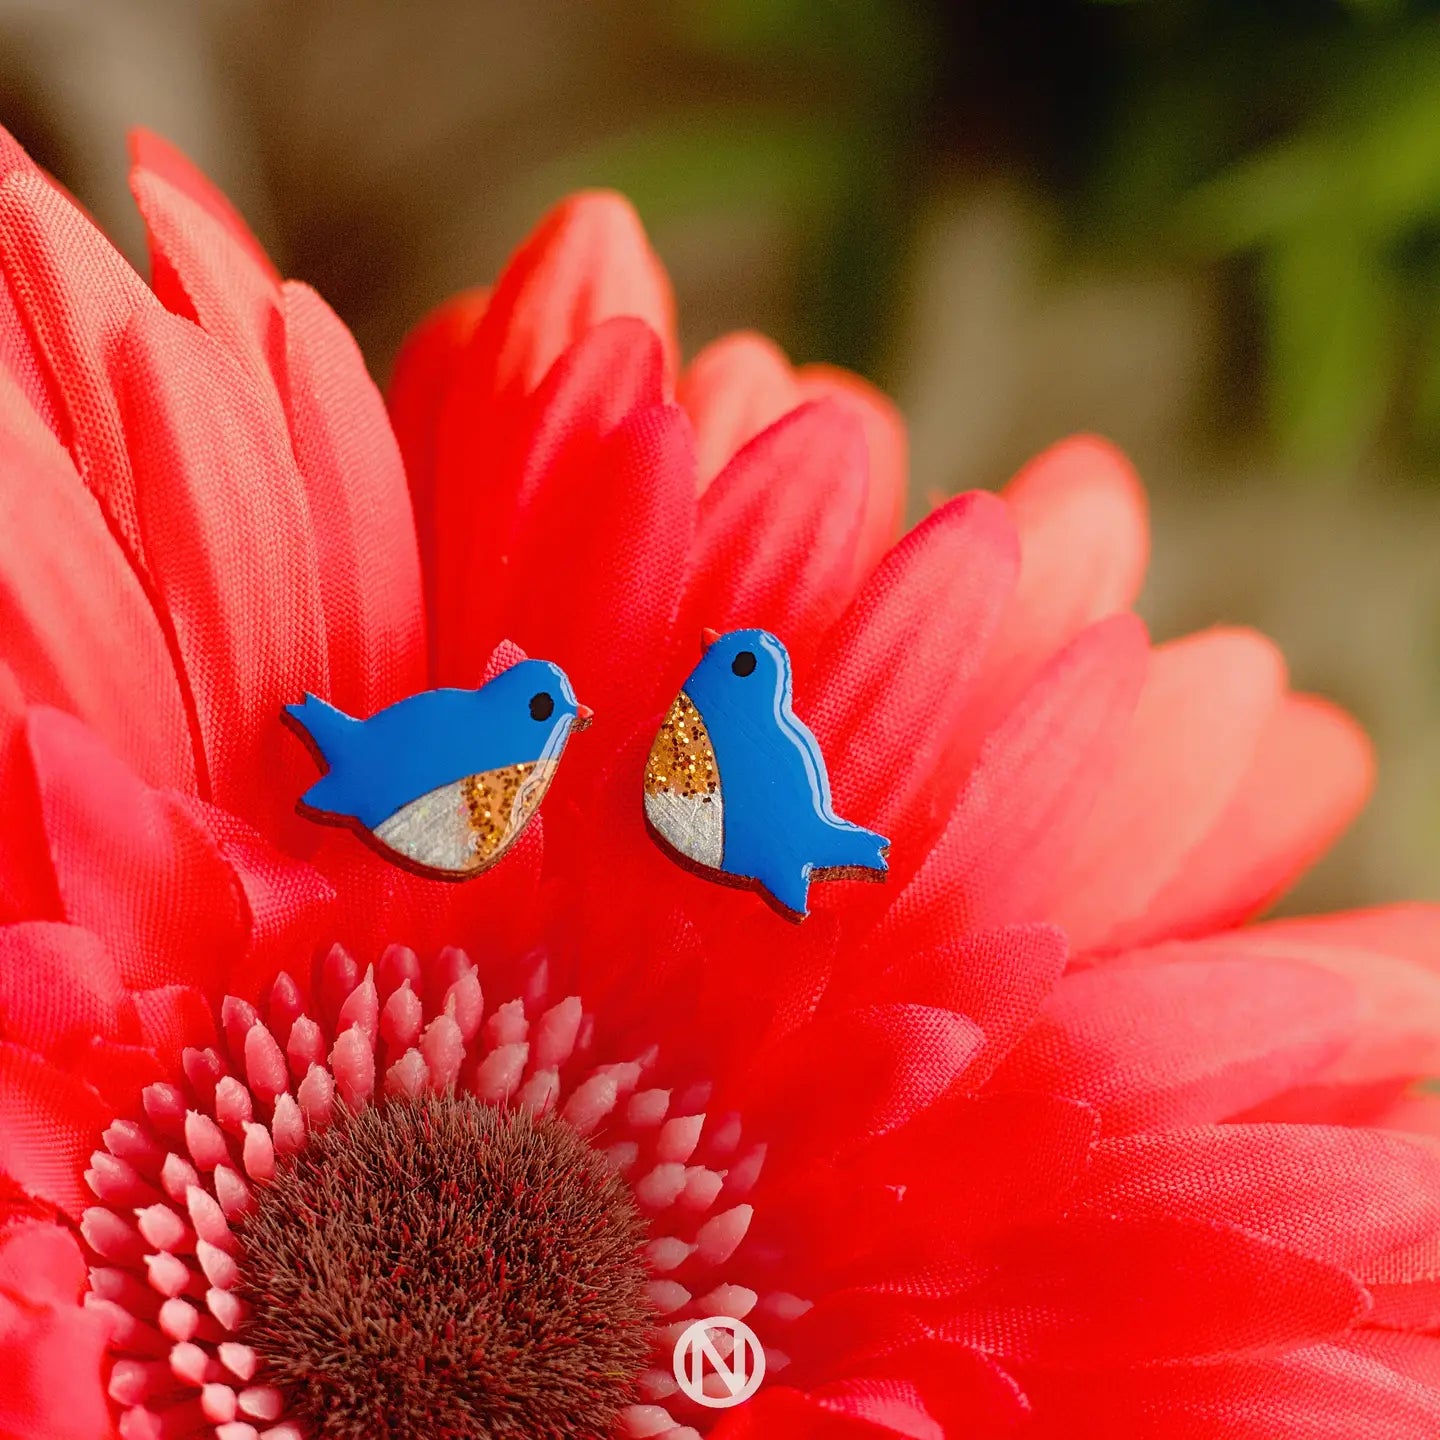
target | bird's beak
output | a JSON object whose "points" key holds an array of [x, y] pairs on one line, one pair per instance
{"points": [[708, 637], [583, 716]]}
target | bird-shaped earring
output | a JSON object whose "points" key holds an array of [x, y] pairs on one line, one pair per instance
{"points": [[736, 787], [445, 781]]}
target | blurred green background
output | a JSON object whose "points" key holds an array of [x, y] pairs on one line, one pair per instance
{"points": [[1208, 230]]}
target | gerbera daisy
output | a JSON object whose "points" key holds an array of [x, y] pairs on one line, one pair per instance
{"points": [[296, 1144]]}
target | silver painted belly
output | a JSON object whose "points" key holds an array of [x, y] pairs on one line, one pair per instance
{"points": [[693, 824], [435, 831]]}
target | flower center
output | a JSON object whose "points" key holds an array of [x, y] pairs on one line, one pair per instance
{"points": [[443, 1267], [396, 1210]]}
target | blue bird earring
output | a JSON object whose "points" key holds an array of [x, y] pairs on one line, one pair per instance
{"points": [[443, 782], [736, 787]]}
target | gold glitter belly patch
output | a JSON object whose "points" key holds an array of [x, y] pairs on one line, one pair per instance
{"points": [[683, 802]]}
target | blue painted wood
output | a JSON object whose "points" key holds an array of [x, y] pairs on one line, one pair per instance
{"points": [[378, 765], [780, 830]]}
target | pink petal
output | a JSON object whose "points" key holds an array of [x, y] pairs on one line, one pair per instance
{"points": [[1312, 771], [1029, 796], [1093, 1291], [587, 261], [1200, 718], [1084, 541], [1364, 1200], [776, 532], [890, 696], [733, 389], [1185, 1041], [889, 449]]}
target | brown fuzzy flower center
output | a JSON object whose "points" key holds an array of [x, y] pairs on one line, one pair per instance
{"points": [[447, 1269]]}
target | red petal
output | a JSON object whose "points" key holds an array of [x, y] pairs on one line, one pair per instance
{"points": [[419, 386], [27, 879], [117, 1073], [966, 1392], [849, 1330], [1388, 957], [964, 1168], [1031, 791], [70, 603], [619, 535], [174, 1018], [733, 389], [151, 154], [1097, 1290], [225, 521], [204, 273], [495, 467], [77, 297], [879, 1338], [1364, 1200], [1408, 932], [57, 985], [892, 1406], [1183, 1042], [889, 456], [130, 864], [892, 687], [52, 1347], [49, 1124], [776, 533], [742, 384], [1416, 1112], [1205, 705], [1084, 541], [997, 978], [1322, 1392], [42, 1265], [377, 903], [586, 262], [863, 1072], [354, 479], [290, 904], [20, 357], [781, 1413], [369, 565], [1416, 1357], [1313, 770]]}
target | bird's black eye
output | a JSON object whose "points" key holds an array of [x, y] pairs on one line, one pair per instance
{"points": [[744, 663], [542, 706]]}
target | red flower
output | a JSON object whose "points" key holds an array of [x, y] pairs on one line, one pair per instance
{"points": [[1033, 1138]]}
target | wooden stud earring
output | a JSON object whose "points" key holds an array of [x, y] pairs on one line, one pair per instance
{"points": [[736, 787], [443, 782]]}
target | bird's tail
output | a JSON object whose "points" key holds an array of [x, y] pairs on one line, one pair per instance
{"points": [[333, 733], [848, 847]]}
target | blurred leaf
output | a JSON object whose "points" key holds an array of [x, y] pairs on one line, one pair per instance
{"points": [[886, 41], [1259, 199], [1425, 402], [1391, 147], [1332, 307], [712, 159], [1375, 9], [1372, 156]]}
